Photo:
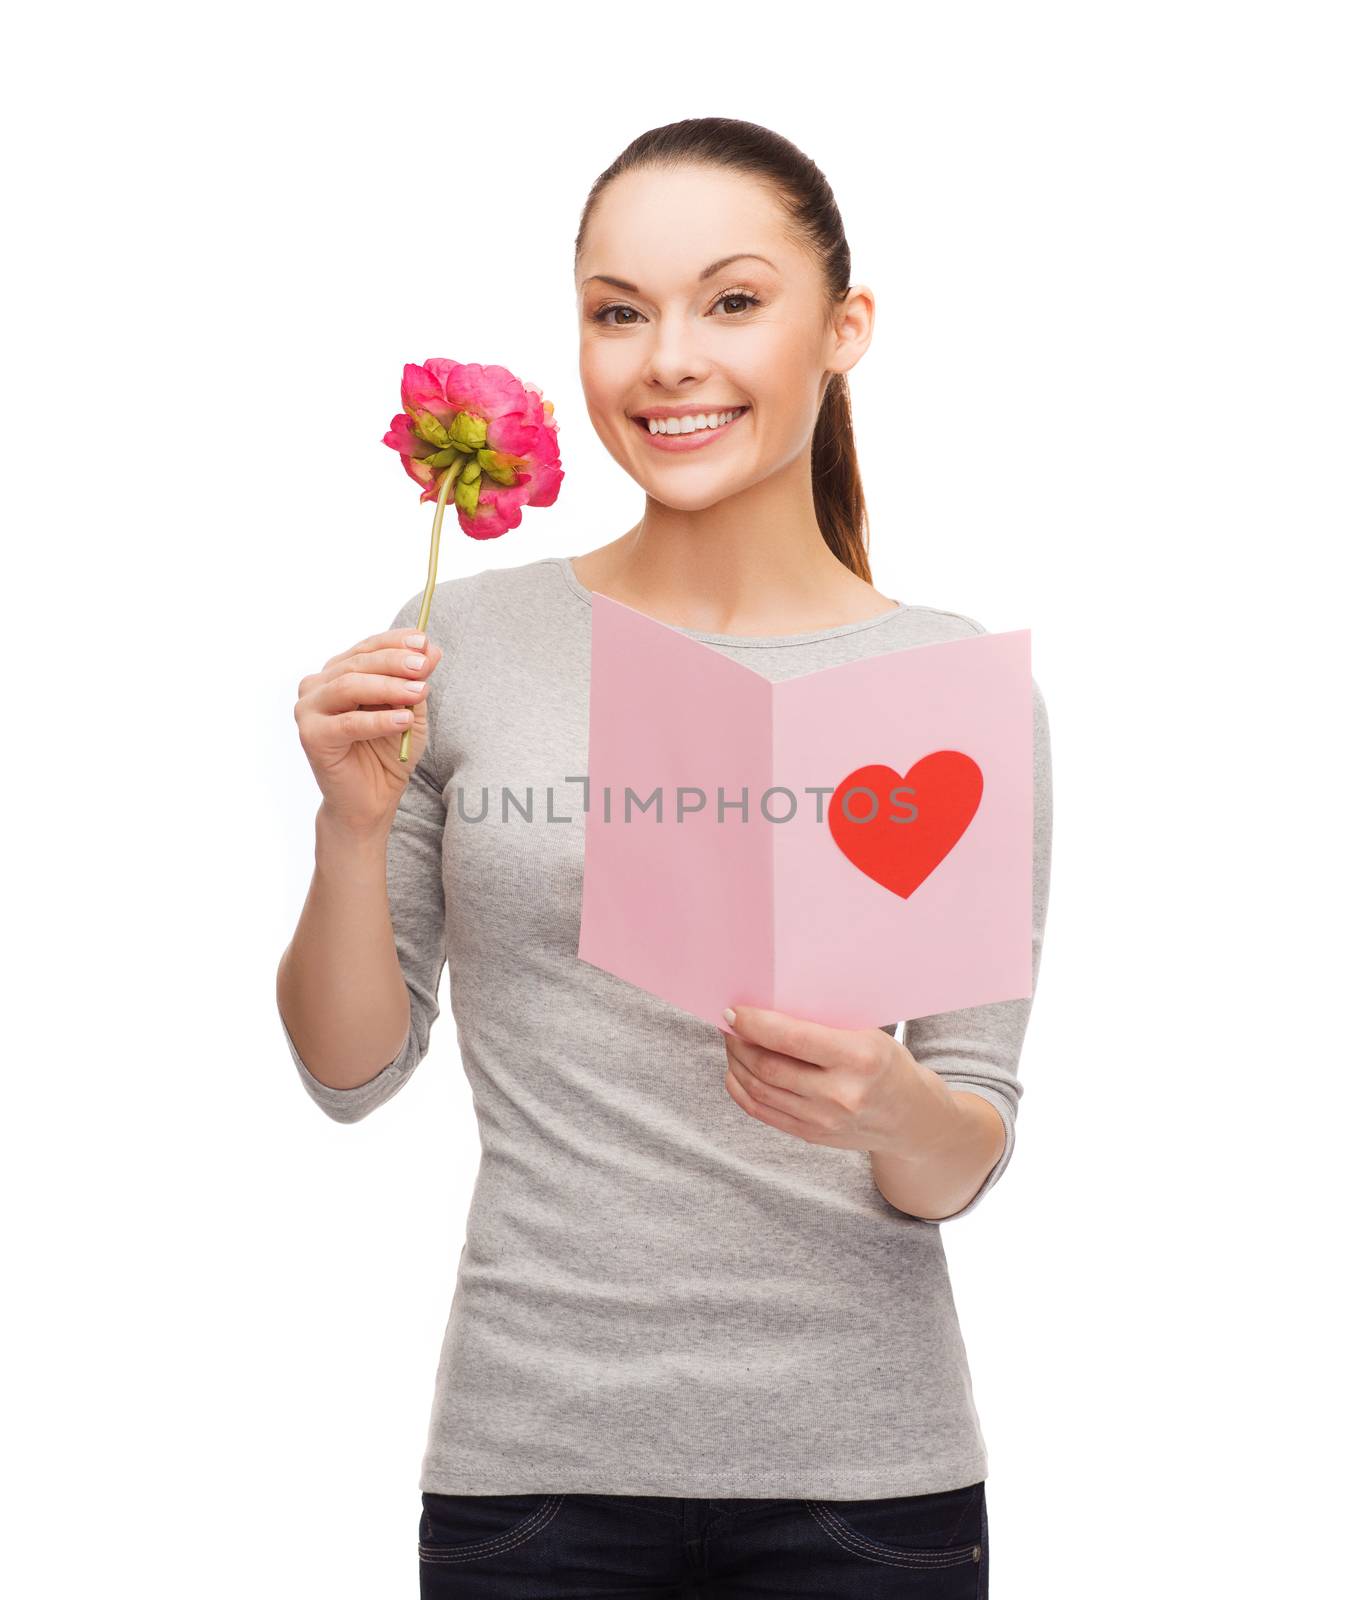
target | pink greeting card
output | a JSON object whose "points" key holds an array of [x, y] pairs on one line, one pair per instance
{"points": [[853, 846]]}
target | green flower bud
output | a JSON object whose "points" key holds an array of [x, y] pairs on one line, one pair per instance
{"points": [[468, 431], [440, 460], [430, 431], [467, 493], [500, 467]]}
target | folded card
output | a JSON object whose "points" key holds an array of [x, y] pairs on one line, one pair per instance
{"points": [[853, 846]]}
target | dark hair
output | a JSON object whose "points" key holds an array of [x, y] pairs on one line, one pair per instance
{"points": [[801, 190]]}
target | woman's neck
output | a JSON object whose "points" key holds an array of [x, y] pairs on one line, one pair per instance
{"points": [[724, 585]]}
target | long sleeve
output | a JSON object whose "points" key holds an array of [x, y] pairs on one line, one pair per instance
{"points": [[979, 1048], [417, 910]]}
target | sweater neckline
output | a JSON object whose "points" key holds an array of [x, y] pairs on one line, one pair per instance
{"points": [[760, 640]]}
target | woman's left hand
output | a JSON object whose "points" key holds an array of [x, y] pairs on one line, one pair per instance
{"points": [[853, 1088]]}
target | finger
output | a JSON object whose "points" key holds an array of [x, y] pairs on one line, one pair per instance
{"points": [[396, 661], [813, 1042], [322, 734], [771, 1066], [769, 1083], [362, 689], [770, 1114], [390, 639]]}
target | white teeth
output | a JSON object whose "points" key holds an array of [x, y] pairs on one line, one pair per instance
{"points": [[704, 419]]}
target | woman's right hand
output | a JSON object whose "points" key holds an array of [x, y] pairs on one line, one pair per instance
{"points": [[350, 730]]}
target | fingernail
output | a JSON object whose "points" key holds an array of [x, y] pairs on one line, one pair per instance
{"points": [[730, 1016], [417, 640]]}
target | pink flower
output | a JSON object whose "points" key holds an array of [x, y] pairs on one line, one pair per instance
{"points": [[481, 440], [496, 430]]}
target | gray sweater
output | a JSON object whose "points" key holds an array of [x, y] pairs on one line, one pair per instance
{"points": [[658, 1294]]}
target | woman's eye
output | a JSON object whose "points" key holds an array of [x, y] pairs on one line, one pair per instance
{"points": [[607, 314]]}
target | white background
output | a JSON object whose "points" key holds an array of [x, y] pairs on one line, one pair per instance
{"points": [[1115, 395]]}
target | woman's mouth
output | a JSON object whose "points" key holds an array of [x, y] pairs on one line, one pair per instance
{"points": [[693, 432]]}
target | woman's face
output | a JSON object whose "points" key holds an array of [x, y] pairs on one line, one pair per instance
{"points": [[668, 323]]}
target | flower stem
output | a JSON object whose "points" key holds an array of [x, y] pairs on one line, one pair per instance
{"points": [[443, 494]]}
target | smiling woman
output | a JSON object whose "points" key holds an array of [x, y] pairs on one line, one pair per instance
{"points": [[703, 1303], [740, 356]]}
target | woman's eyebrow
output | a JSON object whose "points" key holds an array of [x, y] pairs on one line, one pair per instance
{"points": [[703, 276]]}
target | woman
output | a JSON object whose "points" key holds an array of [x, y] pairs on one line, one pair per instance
{"points": [[703, 1334]]}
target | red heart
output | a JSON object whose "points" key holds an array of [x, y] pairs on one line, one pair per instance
{"points": [[900, 841]]}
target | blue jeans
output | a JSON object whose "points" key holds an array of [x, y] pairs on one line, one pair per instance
{"points": [[538, 1546]]}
